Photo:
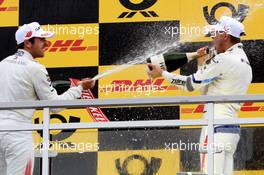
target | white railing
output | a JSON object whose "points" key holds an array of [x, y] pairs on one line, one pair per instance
{"points": [[209, 120]]}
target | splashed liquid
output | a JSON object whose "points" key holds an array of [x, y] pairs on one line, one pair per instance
{"points": [[161, 48], [137, 60]]}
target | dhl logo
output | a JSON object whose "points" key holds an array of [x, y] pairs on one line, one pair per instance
{"points": [[69, 45], [128, 85], [246, 107], [4, 9]]}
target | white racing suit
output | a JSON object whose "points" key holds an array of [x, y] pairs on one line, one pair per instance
{"points": [[228, 73], [23, 79]]}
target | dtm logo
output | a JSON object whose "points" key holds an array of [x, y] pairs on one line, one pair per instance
{"points": [[138, 7], [72, 45], [4, 9], [150, 168], [240, 14]]}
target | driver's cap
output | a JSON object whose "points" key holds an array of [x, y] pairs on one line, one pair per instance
{"points": [[228, 25], [31, 30]]}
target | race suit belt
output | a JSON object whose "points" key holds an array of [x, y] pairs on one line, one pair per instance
{"points": [[233, 129]]}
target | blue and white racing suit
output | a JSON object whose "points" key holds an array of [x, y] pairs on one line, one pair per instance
{"points": [[228, 73]]}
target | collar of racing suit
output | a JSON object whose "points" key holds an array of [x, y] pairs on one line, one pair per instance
{"points": [[238, 45], [25, 54]]}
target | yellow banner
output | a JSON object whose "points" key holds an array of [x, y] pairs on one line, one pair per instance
{"points": [[248, 110], [159, 162], [9, 13], [80, 140], [195, 14], [249, 172], [73, 45], [138, 10], [134, 82]]}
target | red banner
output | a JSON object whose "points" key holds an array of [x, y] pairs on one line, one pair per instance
{"points": [[95, 112]]}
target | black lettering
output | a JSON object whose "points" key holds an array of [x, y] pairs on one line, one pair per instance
{"points": [[240, 14]]}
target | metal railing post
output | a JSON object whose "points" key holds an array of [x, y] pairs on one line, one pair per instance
{"points": [[210, 121], [45, 142], [210, 132]]}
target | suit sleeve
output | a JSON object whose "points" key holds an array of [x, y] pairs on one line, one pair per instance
{"points": [[45, 91], [204, 76]]}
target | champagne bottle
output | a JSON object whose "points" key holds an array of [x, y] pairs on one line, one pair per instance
{"points": [[172, 61]]}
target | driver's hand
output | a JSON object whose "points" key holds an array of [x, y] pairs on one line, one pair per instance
{"points": [[154, 71], [87, 83], [202, 52]]}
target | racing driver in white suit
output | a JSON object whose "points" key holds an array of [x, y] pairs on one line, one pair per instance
{"points": [[22, 78], [228, 73]]}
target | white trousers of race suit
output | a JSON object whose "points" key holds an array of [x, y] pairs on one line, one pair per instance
{"points": [[224, 146], [16, 153]]}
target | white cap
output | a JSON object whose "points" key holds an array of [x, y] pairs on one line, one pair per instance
{"points": [[228, 25], [31, 30]]}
